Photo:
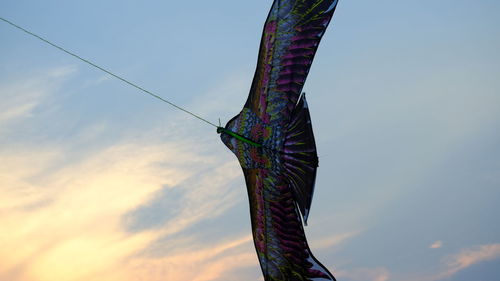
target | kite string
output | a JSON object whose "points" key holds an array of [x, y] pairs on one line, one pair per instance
{"points": [[106, 71]]}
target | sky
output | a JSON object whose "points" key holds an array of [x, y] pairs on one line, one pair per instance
{"points": [[101, 182]]}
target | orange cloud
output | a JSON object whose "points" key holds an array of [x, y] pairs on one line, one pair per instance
{"points": [[67, 224], [469, 257], [333, 240], [436, 245], [453, 264], [364, 274], [68, 221], [206, 263]]}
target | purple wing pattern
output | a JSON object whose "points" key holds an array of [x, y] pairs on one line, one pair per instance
{"points": [[277, 230], [280, 170], [290, 38]]}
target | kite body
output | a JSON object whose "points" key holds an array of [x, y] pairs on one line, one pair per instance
{"points": [[272, 138]]}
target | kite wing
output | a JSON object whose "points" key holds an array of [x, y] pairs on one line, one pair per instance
{"points": [[290, 38], [278, 233]]}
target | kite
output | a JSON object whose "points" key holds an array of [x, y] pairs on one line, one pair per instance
{"points": [[272, 138]]}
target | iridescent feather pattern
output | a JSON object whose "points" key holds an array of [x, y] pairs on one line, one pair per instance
{"points": [[272, 138]]}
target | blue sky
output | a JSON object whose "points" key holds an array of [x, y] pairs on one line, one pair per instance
{"points": [[101, 182]]}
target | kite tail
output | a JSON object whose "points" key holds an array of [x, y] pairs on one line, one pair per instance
{"points": [[300, 156]]}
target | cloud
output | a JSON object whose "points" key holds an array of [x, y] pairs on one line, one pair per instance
{"points": [[363, 274], [454, 263], [334, 240], [72, 218], [469, 257], [436, 245], [165, 204], [206, 263], [80, 209], [21, 97]]}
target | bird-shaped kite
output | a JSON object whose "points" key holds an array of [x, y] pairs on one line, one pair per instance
{"points": [[272, 138]]}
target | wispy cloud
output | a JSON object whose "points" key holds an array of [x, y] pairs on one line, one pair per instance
{"points": [[454, 263], [469, 257], [334, 240], [436, 245], [83, 202], [21, 97], [68, 224], [364, 274], [206, 263]]}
